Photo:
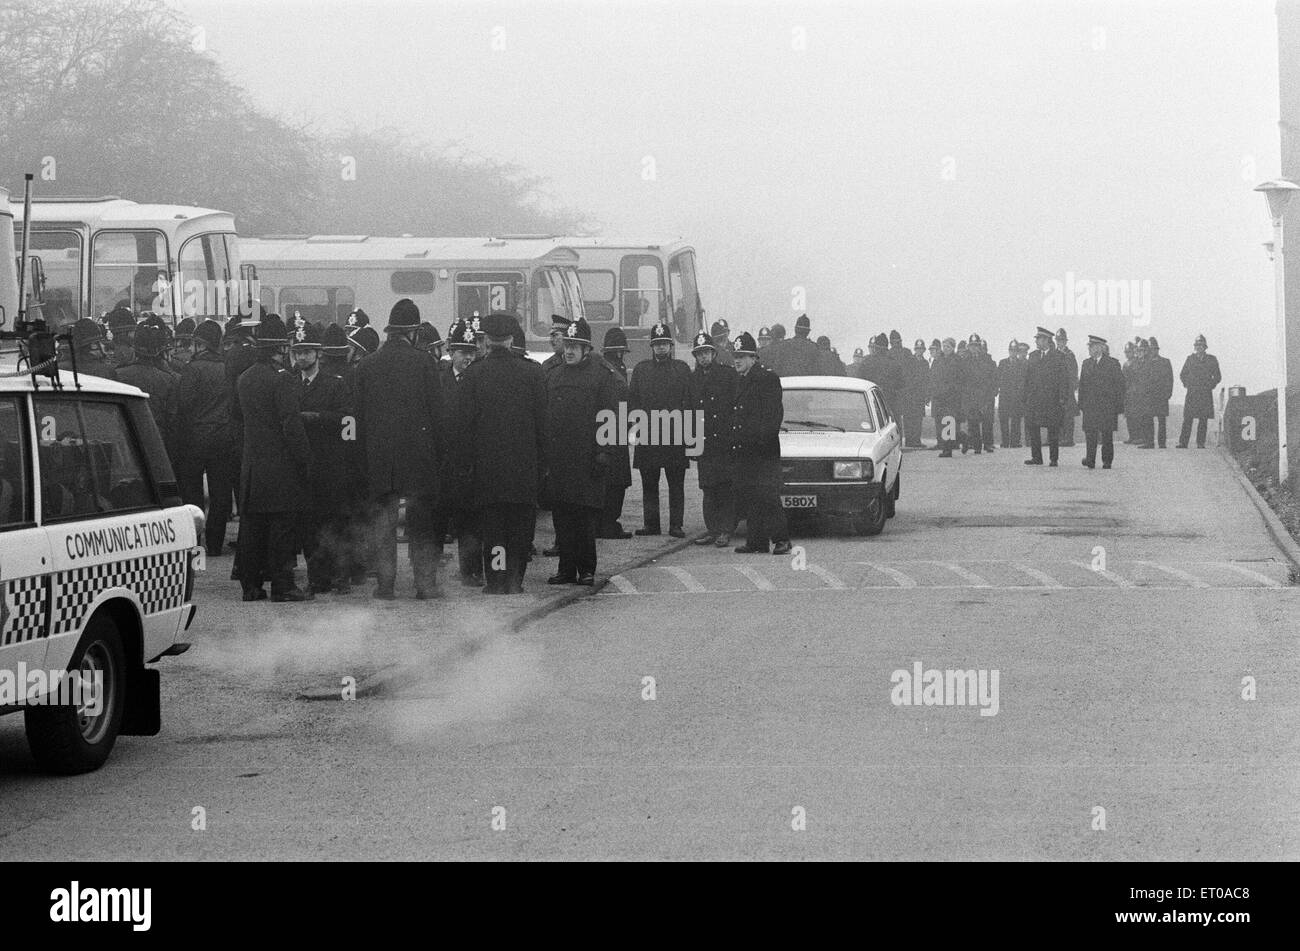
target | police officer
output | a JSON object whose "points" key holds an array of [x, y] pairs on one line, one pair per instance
{"points": [[661, 384], [917, 392], [613, 347], [428, 340], [356, 320], [356, 549], [149, 372], [182, 348], [796, 357], [559, 330], [1131, 421], [945, 397], [1047, 398], [88, 348], [1011, 396], [578, 465], [828, 364], [400, 423], [276, 469], [764, 341], [713, 394], [502, 440], [456, 507], [1072, 371], [1200, 375], [879, 369], [1101, 400], [323, 402], [1159, 388], [121, 324], [205, 438], [720, 337], [757, 414], [978, 376]]}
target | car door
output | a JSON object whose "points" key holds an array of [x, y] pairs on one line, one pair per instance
{"points": [[24, 552], [889, 446]]}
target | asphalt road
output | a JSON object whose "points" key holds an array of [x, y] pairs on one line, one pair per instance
{"points": [[772, 732]]}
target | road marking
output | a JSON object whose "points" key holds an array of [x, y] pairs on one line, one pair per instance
{"points": [[1176, 573], [1047, 580], [761, 583], [1250, 573], [830, 579], [686, 578], [964, 573], [1108, 575], [900, 579], [624, 586]]}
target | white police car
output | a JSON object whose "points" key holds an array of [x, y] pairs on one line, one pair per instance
{"points": [[97, 562], [841, 452]]}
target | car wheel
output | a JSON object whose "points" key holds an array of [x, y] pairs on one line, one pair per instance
{"points": [[72, 739], [890, 496], [873, 517]]}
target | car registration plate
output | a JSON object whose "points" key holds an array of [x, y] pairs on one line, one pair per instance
{"points": [[799, 501]]}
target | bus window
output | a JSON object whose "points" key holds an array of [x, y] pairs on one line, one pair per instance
{"points": [[60, 254], [548, 298], [204, 258], [481, 292], [406, 283], [324, 305], [129, 267], [642, 278], [573, 291], [598, 293], [687, 313]]}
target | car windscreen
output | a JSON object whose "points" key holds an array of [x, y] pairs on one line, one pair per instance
{"points": [[844, 411]]}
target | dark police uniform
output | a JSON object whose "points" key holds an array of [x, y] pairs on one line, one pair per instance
{"points": [[1160, 387], [1011, 400], [1101, 400], [501, 435], [661, 385], [1200, 374], [757, 414], [1047, 400], [325, 405], [275, 472], [577, 464], [399, 417], [456, 514], [205, 444], [713, 390], [620, 469]]}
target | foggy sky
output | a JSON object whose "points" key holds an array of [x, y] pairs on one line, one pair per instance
{"points": [[925, 167]]}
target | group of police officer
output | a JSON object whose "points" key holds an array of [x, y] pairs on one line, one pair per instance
{"points": [[324, 433]]}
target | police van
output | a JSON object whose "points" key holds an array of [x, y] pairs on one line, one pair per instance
{"points": [[97, 553]]}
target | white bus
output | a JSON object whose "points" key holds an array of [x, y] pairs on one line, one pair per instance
{"points": [[325, 277], [174, 260], [634, 284]]}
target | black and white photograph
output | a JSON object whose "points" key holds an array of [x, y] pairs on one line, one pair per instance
{"points": [[650, 431]]}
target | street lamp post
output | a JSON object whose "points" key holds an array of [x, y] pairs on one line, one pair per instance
{"points": [[1278, 192]]}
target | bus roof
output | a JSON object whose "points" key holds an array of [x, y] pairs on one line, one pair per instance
{"points": [[397, 252], [584, 242], [113, 212]]}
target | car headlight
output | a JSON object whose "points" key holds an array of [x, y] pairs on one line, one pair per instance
{"points": [[849, 470]]}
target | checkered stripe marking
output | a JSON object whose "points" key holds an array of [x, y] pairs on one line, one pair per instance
{"points": [[157, 580], [24, 610]]}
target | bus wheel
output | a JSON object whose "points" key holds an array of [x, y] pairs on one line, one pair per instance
{"points": [[78, 737]]}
